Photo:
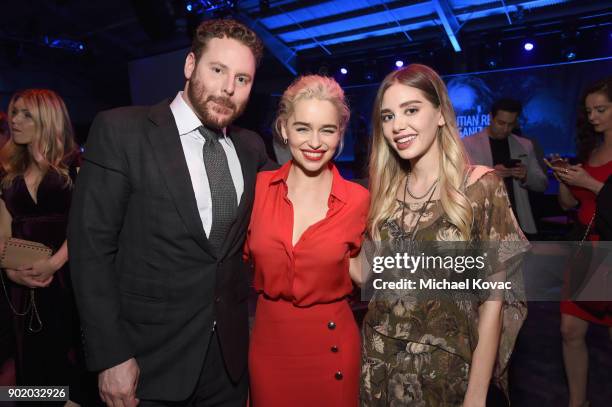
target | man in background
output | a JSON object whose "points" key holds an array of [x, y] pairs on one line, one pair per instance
{"points": [[513, 159]]}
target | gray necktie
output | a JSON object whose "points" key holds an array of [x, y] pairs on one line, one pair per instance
{"points": [[222, 191]]}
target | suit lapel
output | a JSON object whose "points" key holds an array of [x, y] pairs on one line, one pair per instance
{"points": [[516, 148], [485, 147], [248, 175], [168, 151]]}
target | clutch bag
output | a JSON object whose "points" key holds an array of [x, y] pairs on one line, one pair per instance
{"points": [[18, 253]]}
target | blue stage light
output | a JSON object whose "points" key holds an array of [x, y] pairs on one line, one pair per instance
{"points": [[399, 63], [209, 6], [343, 71], [528, 46], [64, 43]]}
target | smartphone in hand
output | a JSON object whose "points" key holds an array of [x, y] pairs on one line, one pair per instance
{"points": [[513, 162], [555, 162]]}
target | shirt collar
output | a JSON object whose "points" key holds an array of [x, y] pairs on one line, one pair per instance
{"points": [[339, 188], [185, 118]]}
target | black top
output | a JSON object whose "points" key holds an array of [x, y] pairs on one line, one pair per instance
{"points": [[44, 220]]}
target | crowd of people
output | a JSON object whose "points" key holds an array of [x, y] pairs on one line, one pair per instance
{"points": [[156, 229]]}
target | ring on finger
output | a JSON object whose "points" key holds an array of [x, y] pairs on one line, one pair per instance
{"points": [[566, 171]]}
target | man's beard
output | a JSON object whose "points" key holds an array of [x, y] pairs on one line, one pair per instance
{"points": [[196, 91]]}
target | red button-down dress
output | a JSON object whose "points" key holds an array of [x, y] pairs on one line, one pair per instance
{"points": [[305, 344]]}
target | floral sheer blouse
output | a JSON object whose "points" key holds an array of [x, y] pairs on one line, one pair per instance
{"points": [[451, 322]]}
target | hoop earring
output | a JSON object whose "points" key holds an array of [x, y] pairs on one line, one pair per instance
{"points": [[285, 141]]}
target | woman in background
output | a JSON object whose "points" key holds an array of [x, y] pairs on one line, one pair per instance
{"points": [[7, 346], [580, 184], [436, 351], [36, 186], [307, 223]]}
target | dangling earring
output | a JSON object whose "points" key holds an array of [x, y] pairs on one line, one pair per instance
{"points": [[285, 141]]}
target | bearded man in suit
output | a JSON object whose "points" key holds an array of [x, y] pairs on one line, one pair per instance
{"points": [[157, 225]]}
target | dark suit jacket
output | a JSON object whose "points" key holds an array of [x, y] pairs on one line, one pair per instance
{"points": [[147, 282], [603, 219]]}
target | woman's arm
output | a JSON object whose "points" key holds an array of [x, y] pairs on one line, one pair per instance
{"points": [[5, 222], [566, 198], [60, 258], [43, 270], [485, 354], [577, 176], [359, 269], [356, 269], [22, 277]]}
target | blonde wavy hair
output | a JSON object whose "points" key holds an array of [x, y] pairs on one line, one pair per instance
{"points": [[387, 169], [53, 138], [313, 87]]}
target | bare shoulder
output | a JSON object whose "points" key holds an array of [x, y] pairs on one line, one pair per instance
{"points": [[480, 173]]}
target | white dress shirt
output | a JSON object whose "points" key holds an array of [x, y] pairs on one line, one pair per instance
{"points": [[193, 142]]}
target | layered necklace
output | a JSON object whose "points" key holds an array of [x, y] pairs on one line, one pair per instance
{"points": [[409, 236], [430, 189]]}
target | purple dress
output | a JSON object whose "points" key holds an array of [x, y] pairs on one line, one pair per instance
{"points": [[47, 353]]}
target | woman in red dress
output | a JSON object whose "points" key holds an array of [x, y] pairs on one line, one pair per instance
{"points": [[307, 224], [580, 184]]}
